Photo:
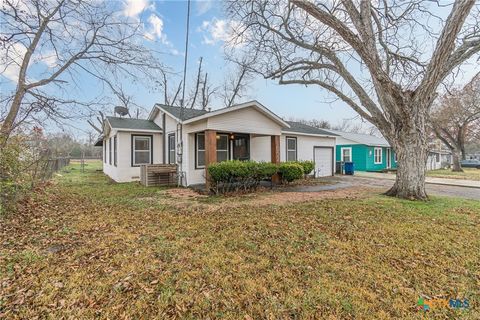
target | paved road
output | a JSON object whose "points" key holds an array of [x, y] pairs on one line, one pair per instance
{"points": [[340, 182]]}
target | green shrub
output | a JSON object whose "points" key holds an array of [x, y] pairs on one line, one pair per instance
{"points": [[290, 171], [307, 166], [266, 170], [233, 175]]}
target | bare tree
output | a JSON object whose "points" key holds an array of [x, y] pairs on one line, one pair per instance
{"points": [[197, 83], [456, 119], [73, 38], [236, 84], [368, 54], [207, 92], [321, 124]]}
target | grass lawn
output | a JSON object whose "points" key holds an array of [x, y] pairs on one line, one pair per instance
{"points": [[468, 174], [87, 248]]}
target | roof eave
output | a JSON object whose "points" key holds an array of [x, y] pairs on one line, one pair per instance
{"points": [[171, 115]]}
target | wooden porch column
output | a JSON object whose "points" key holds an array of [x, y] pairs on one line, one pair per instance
{"points": [[210, 153], [275, 152]]}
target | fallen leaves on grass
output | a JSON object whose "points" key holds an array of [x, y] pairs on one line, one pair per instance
{"points": [[76, 252]]}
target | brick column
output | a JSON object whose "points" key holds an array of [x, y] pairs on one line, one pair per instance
{"points": [[275, 153], [210, 153]]}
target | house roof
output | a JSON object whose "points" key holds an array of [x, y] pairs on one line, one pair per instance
{"points": [[192, 115], [132, 124], [304, 128], [187, 112], [361, 138]]}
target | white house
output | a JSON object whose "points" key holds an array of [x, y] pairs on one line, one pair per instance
{"points": [[248, 131]]}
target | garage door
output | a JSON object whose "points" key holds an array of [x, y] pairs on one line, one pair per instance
{"points": [[323, 161]]}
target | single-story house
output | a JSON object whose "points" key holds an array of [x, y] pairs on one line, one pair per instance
{"points": [[367, 152], [247, 131], [438, 159]]}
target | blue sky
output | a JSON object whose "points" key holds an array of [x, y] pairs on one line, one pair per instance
{"points": [[208, 28], [164, 29]]}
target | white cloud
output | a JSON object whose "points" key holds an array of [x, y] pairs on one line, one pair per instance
{"points": [[11, 60], [203, 6], [219, 30], [156, 27], [132, 8], [155, 30]]}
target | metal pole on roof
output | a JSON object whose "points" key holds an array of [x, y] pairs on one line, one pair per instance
{"points": [[180, 172]]}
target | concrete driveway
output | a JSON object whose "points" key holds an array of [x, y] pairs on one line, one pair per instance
{"points": [[432, 189], [342, 182]]}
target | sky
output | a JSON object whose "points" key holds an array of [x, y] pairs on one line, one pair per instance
{"points": [[208, 31], [164, 31]]}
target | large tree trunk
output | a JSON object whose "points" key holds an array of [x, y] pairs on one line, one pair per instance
{"points": [[7, 125], [456, 156], [412, 152]]}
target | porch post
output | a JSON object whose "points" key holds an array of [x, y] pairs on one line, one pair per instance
{"points": [[210, 153], [275, 153]]}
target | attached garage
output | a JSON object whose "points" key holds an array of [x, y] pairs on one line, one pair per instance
{"points": [[324, 161], [304, 142]]}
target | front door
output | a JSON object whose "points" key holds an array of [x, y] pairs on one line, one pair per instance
{"points": [[389, 158], [240, 147]]}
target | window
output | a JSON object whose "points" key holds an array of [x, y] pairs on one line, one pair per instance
{"points": [[105, 150], [346, 154], [394, 156], [115, 150], [110, 151], [437, 157], [222, 147], [377, 157], [291, 149], [171, 148], [141, 150], [200, 150]]}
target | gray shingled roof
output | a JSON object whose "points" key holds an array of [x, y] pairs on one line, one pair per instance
{"points": [[132, 124], [187, 112], [366, 139], [304, 128]]}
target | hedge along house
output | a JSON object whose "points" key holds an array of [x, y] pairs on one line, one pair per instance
{"points": [[247, 131], [367, 152]]}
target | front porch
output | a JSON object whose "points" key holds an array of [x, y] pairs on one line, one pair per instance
{"points": [[215, 146]]}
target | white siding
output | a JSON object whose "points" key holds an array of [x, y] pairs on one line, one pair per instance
{"points": [[124, 172], [305, 145], [260, 148], [247, 120]]}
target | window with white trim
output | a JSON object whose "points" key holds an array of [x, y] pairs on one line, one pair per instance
{"points": [[171, 148], [141, 150], [377, 155], [291, 143], [394, 156], [105, 151], [346, 154], [115, 150], [200, 150], [110, 151], [222, 147]]}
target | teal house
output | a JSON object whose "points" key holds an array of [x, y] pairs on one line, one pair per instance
{"points": [[368, 153]]}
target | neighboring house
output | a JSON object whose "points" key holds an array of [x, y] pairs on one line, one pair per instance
{"points": [[438, 159], [367, 152], [248, 131]]}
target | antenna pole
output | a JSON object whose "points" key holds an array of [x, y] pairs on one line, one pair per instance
{"points": [[180, 172]]}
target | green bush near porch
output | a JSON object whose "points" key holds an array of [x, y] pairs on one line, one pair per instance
{"points": [[291, 171]]}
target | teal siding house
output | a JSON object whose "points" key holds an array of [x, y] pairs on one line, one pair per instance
{"points": [[368, 153]]}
